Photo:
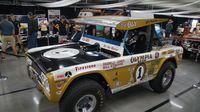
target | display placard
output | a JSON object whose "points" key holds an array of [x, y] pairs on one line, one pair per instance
{"points": [[52, 14]]}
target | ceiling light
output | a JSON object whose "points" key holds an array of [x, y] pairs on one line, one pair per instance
{"points": [[188, 16], [61, 3], [172, 7], [176, 13], [113, 5]]}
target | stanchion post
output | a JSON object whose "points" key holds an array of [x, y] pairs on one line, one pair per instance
{"points": [[2, 77]]}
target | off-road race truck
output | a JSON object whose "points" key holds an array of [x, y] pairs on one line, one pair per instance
{"points": [[78, 75]]}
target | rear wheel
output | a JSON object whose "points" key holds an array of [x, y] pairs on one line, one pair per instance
{"points": [[164, 79], [84, 96]]}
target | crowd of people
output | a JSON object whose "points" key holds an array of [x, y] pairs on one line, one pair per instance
{"points": [[64, 28], [10, 31], [183, 30]]}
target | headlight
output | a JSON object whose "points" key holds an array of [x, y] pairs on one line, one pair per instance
{"points": [[28, 61], [45, 82], [46, 86]]}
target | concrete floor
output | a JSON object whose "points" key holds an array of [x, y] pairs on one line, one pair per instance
{"points": [[18, 95]]}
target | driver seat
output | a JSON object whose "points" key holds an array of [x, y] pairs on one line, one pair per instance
{"points": [[141, 44]]}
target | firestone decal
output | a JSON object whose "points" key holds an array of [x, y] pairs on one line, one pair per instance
{"points": [[85, 67]]}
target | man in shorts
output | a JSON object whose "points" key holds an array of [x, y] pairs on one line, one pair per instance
{"points": [[16, 24], [7, 31]]}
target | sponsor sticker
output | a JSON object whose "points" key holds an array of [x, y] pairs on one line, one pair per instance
{"points": [[85, 39], [128, 24], [113, 64], [157, 55], [59, 92], [60, 84], [60, 76], [164, 53], [139, 72], [141, 59], [112, 48], [85, 67], [171, 51]]}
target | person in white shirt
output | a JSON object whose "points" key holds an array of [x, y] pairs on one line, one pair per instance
{"points": [[44, 27]]}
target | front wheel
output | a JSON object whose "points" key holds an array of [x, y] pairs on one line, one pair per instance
{"points": [[83, 96], [164, 79]]}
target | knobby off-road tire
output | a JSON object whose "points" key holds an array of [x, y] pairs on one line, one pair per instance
{"points": [[83, 95], [164, 78]]}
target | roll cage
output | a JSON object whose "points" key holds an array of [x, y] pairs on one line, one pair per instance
{"points": [[132, 32]]}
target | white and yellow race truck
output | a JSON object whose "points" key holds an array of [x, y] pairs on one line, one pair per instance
{"points": [[121, 55]]}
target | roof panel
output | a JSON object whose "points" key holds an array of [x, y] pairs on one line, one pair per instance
{"points": [[119, 22], [110, 21]]}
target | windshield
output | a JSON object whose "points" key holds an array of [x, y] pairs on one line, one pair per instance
{"points": [[109, 39], [118, 41], [137, 41], [105, 32]]}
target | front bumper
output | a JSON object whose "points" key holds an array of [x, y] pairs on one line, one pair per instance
{"points": [[36, 79], [38, 76]]}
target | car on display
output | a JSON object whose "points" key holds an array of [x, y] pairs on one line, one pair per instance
{"points": [[117, 56], [190, 44]]}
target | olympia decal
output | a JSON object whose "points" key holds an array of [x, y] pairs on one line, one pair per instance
{"points": [[141, 59]]}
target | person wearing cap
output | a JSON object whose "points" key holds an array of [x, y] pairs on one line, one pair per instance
{"points": [[55, 24], [32, 31], [7, 31], [169, 28]]}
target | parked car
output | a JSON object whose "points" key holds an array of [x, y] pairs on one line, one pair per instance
{"points": [[78, 75], [190, 44]]}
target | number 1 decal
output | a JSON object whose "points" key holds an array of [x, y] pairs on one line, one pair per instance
{"points": [[139, 74], [140, 71]]}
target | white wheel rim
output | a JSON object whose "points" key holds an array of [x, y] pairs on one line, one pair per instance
{"points": [[86, 103], [167, 78]]}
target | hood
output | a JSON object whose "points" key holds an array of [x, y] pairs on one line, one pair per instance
{"points": [[52, 59]]}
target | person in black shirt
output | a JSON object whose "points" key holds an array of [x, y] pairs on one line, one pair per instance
{"points": [[77, 34], [141, 44], [32, 31], [63, 29], [55, 24], [91, 30]]}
